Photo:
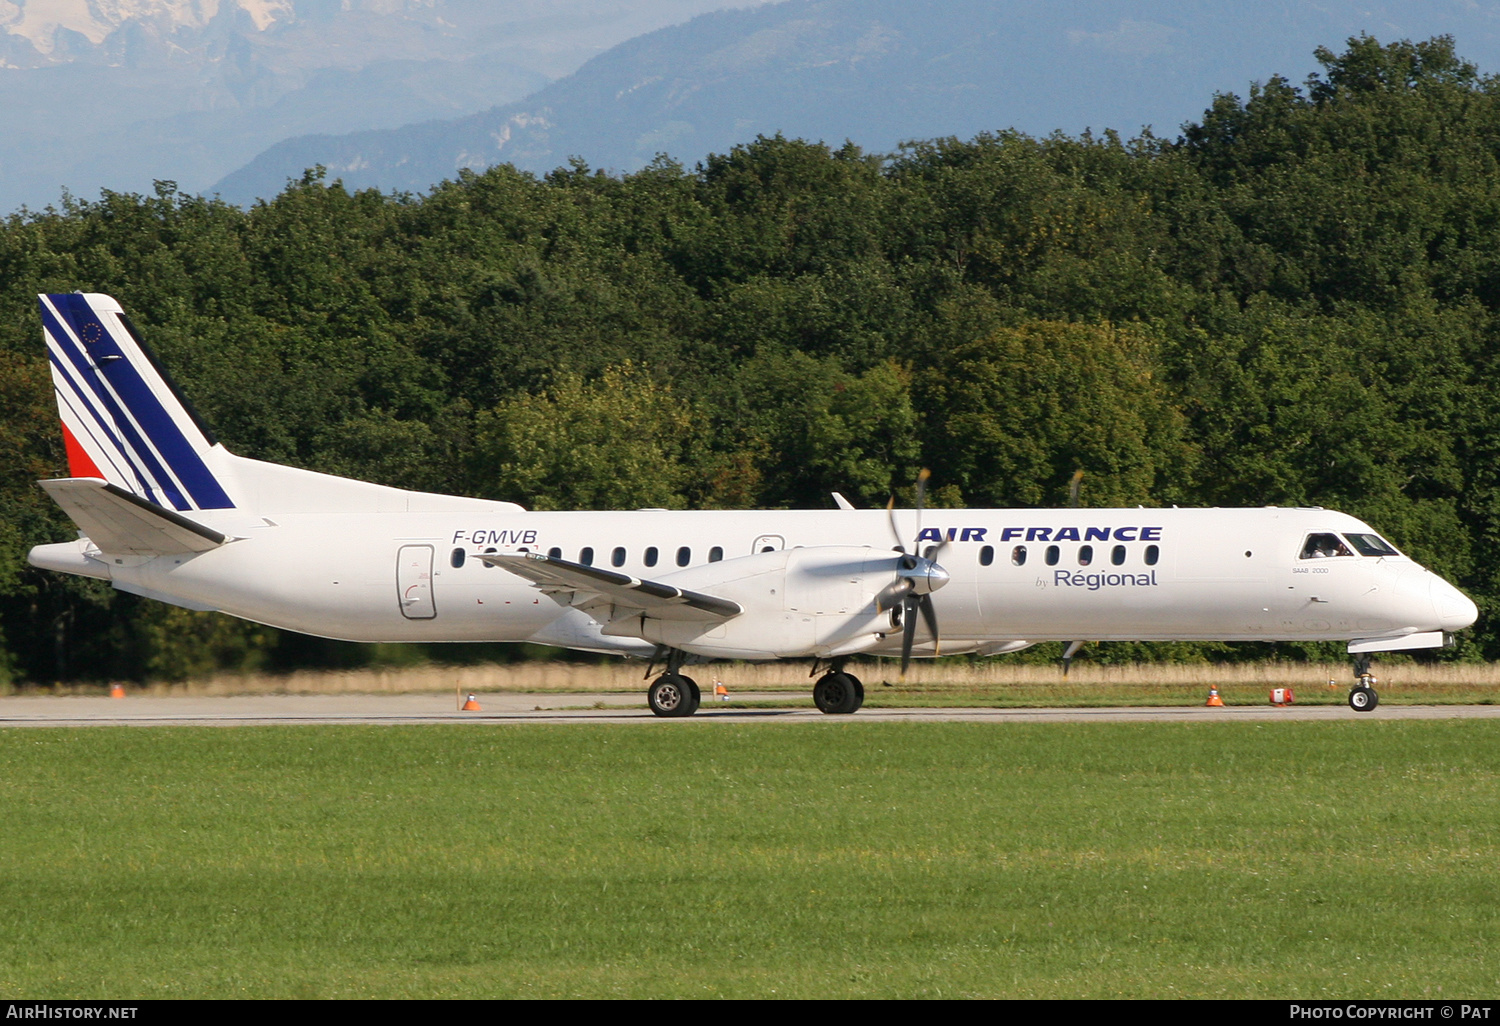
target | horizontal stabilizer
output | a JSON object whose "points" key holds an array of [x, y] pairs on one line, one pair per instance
{"points": [[124, 524], [655, 599]]}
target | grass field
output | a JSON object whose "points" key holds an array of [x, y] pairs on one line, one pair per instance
{"points": [[1352, 859]]}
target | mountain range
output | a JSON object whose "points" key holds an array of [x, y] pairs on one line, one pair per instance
{"points": [[238, 96], [878, 72], [115, 93]]}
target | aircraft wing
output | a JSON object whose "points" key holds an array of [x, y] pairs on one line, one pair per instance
{"points": [[589, 585], [126, 525]]}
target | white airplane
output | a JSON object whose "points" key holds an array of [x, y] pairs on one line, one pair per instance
{"points": [[166, 512]]}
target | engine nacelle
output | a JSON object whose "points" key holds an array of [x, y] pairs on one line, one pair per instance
{"points": [[816, 601]]}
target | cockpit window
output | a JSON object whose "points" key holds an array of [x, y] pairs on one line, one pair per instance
{"points": [[1371, 545], [1322, 546]]}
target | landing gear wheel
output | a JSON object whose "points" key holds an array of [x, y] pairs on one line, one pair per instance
{"points": [[837, 693], [1363, 699], [859, 692], [672, 694]]}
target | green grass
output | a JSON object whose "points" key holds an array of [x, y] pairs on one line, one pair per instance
{"points": [[817, 860]]}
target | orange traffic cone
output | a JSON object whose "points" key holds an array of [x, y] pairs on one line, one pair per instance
{"points": [[1213, 697], [720, 691], [117, 690], [471, 705]]}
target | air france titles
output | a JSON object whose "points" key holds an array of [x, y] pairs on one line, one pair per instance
{"points": [[1090, 581], [1046, 534]]}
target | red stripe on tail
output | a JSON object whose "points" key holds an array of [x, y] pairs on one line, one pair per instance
{"points": [[79, 464]]}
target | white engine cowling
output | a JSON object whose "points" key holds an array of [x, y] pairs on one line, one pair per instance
{"points": [[817, 601]]}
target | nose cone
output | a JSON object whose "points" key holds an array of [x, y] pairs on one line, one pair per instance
{"points": [[1454, 609]]}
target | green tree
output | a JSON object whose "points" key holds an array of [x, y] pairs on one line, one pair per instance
{"points": [[617, 442], [1010, 417]]}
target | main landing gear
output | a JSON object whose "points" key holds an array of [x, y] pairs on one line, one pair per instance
{"points": [[673, 693], [837, 692], [1362, 698]]}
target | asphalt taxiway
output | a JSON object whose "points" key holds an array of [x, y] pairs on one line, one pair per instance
{"points": [[616, 708]]}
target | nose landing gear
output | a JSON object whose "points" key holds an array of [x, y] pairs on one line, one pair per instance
{"points": [[1362, 697]]}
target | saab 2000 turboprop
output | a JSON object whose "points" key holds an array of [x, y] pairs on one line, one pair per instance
{"points": [[166, 512]]}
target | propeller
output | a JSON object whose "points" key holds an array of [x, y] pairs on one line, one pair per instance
{"points": [[918, 575]]}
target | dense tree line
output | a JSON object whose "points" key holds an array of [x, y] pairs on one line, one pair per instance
{"points": [[1297, 302]]}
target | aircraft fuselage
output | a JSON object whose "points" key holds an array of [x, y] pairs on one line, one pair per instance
{"points": [[1038, 575]]}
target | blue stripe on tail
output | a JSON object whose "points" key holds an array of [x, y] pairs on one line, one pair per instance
{"points": [[107, 372]]}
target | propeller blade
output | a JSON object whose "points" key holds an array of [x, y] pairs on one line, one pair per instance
{"points": [[890, 595], [1073, 488], [929, 616], [921, 504], [890, 512], [908, 629], [1069, 653]]}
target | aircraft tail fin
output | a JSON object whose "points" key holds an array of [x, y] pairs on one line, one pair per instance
{"points": [[123, 420]]}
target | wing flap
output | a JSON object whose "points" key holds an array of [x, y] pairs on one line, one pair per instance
{"points": [[124, 524], [657, 600]]}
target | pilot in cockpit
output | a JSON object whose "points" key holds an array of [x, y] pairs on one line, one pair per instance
{"points": [[1323, 546]]}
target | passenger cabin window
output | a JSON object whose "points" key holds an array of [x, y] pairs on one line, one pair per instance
{"points": [[1153, 553], [986, 555], [490, 566], [1085, 555], [1324, 546], [651, 555], [554, 553], [457, 559], [617, 557], [1018, 556], [1371, 545], [716, 553], [586, 555], [684, 556], [1053, 553], [1117, 555]]}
